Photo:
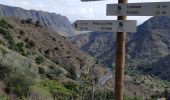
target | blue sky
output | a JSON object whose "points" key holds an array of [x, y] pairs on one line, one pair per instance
{"points": [[74, 9]]}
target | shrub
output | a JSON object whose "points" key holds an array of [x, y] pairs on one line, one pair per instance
{"points": [[47, 52], [39, 60], [5, 24], [71, 85], [56, 48], [54, 39], [4, 97], [30, 43], [37, 24], [41, 70], [54, 72], [73, 74], [20, 85], [57, 90], [28, 21], [19, 47], [5, 72], [21, 32]]}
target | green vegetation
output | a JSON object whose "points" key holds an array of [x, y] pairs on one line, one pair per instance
{"points": [[5, 72], [103, 95], [39, 60], [57, 90], [72, 73], [20, 85], [19, 47], [54, 72], [4, 97], [4, 24], [132, 98]]}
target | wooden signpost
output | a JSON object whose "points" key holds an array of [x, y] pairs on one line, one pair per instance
{"points": [[121, 26]]}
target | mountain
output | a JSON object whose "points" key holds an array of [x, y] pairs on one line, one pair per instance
{"points": [[55, 22], [146, 46], [151, 41]]}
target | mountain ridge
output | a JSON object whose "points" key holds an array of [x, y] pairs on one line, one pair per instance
{"points": [[55, 22]]}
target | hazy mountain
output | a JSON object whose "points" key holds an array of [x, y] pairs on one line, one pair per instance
{"points": [[56, 22]]}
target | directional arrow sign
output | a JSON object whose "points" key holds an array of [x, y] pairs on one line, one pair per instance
{"points": [[90, 0], [139, 9], [105, 25]]}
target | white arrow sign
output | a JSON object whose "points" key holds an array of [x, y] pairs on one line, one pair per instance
{"points": [[105, 25], [139, 9]]}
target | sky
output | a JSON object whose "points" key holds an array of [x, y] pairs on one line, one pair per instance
{"points": [[75, 9]]}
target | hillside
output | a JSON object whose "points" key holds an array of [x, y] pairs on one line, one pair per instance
{"points": [[55, 22], [37, 59], [151, 42]]}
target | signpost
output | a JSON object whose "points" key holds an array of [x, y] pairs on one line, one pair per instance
{"points": [[139, 9], [121, 26], [105, 25]]}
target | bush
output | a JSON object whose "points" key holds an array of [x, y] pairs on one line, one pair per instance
{"points": [[73, 74], [20, 85], [71, 85], [58, 91], [54, 72], [47, 52], [4, 97], [28, 21], [21, 32], [56, 48], [103, 95], [5, 72], [30, 43], [5, 24], [41, 70], [37, 24], [39, 60], [19, 47]]}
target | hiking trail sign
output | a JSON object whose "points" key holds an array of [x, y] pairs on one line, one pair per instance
{"points": [[139, 9], [106, 25]]}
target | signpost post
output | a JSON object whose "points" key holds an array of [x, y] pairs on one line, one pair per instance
{"points": [[120, 59]]}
